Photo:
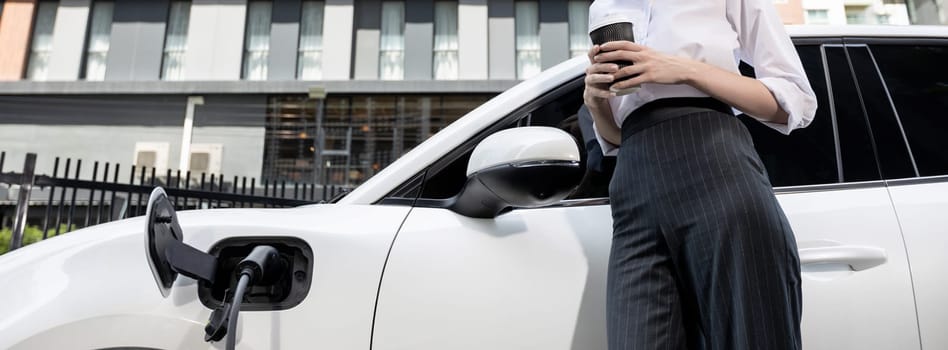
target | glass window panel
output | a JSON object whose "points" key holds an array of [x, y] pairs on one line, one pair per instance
{"points": [[819, 16], [856, 15], [356, 137], [446, 40], [920, 93], [100, 31], [579, 42], [42, 43], [176, 40], [855, 144], [257, 40], [892, 152], [309, 63], [807, 156], [527, 18], [392, 44]]}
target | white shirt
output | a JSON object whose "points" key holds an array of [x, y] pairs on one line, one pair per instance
{"points": [[718, 32]]}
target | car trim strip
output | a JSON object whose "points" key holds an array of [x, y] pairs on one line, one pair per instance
{"points": [[918, 180]]}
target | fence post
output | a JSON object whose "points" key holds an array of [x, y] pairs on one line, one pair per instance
{"points": [[23, 201]]}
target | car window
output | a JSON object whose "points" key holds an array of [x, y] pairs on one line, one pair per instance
{"points": [[807, 156], [894, 158], [917, 80], [558, 109], [855, 145]]}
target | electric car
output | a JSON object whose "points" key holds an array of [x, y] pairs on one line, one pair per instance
{"points": [[494, 233]]}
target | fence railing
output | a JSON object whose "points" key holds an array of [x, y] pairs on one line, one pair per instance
{"points": [[70, 202]]}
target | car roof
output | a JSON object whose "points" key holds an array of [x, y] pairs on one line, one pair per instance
{"points": [[888, 31]]}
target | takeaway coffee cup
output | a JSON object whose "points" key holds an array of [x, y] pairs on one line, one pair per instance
{"points": [[618, 31]]}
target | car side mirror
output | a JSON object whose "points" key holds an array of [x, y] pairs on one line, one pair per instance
{"points": [[524, 167]]}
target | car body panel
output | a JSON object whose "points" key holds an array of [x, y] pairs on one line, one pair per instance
{"points": [[529, 279], [93, 288], [922, 208], [535, 278], [845, 309]]}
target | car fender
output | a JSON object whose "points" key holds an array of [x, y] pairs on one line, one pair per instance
{"points": [[93, 288]]}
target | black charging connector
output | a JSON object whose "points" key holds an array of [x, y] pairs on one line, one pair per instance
{"points": [[262, 266]]}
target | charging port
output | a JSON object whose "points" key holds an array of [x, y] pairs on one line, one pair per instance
{"points": [[275, 293]]}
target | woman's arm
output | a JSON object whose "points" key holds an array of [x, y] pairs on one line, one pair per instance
{"points": [[746, 94]]}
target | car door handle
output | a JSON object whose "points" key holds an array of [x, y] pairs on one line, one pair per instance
{"points": [[857, 257]]}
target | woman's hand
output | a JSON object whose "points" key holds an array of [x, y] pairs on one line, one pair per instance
{"points": [[651, 66], [599, 75]]}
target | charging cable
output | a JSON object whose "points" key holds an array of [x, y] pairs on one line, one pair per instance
{"points": [[262, 265]]}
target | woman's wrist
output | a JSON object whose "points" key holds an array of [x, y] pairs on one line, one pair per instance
{"points": [[696, 70]]}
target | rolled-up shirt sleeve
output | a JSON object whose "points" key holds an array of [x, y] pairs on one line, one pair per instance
{"points": [[765, 45]]}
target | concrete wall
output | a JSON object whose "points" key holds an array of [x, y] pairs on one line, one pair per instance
{"points": [[215, 40], [96, 128], [502, 39], [242, 146], [472, 39], [791, 11], [16, 24], [284, 40], [337, 39], [69, 37]]}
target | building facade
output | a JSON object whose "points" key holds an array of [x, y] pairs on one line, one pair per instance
{"points": [[309, 91], [839, 12]]}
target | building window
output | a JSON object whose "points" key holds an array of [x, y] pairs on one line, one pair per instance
{"points": [[579, 42], [392, 45], [176, 40], [310, 61], [42, 45], [257, 40], [819, 16], [527, 18], [356, 136], [856, 15], [446, 40], [882, 18], [97, 48]]}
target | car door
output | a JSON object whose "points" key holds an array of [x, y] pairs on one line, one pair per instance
{"points": [[857, 291], [535, 278], [908, 82]]}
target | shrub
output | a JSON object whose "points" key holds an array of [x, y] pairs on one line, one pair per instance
{"points": [[31, 234]]}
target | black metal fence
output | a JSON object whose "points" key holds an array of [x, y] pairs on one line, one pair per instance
{"points": [[61, 202]]}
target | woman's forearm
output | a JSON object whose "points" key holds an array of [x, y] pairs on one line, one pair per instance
{"points": [[746, 94], [605, 123]]}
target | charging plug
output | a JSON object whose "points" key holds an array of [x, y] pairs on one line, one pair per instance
{"points": [[263, 265]]}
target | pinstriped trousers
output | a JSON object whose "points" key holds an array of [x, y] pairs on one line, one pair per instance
{"points": [[702, 255]]}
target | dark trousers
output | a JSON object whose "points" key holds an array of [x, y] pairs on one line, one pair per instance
{"points": [[702, 254]]}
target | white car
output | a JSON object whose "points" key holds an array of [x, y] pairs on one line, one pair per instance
{"points": [[467, 242]]}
